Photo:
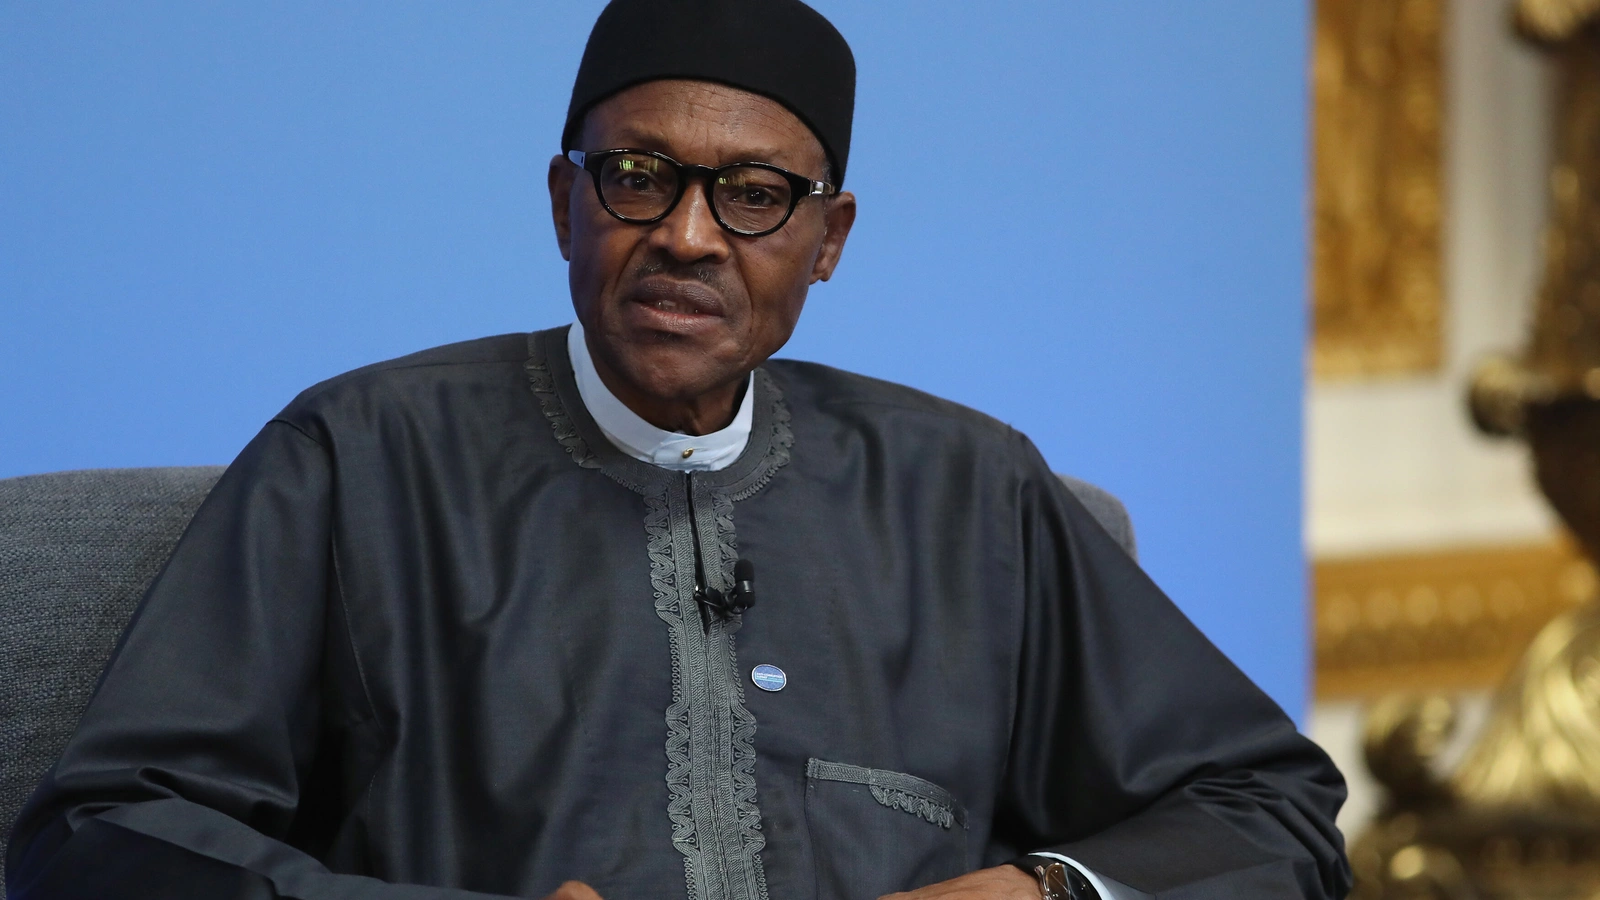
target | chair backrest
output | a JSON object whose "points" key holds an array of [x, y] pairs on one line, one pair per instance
{"points": [[77, 551], [1107, 510]]}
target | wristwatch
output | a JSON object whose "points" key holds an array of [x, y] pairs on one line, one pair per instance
{"points": [[1057, 880]]}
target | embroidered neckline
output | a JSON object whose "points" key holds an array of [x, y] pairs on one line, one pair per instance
{"points": [[543, 385], [551, 380]]}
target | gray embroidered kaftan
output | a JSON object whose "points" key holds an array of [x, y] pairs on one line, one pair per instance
{"points": [[432, 637]]}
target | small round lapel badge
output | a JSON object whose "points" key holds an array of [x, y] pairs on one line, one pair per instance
{"points": [[768, 677]]}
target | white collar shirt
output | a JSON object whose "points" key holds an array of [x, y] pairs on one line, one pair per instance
{"points": [[643, 441]]}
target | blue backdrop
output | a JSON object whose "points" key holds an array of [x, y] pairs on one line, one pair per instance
{"points": [[1086, 219]]}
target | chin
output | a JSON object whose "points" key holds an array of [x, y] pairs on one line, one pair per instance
{"points": [[673, 379]]}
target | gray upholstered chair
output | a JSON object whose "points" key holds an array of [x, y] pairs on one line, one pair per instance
{"points": [[1107, 510], [77, 550]]}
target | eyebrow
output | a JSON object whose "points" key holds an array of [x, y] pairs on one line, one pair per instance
{"points": [[639, 139]]}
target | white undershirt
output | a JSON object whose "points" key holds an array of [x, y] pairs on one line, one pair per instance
{"points": [[643, 441], [707, 453]]}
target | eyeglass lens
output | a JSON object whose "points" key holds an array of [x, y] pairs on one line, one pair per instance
{"points": [[747, 198]]}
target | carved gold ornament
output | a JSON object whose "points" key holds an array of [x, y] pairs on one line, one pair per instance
{"points": [[1453, 619], [1377, 195]]}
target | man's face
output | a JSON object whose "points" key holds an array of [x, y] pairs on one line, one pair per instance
{"points": [[680, 308]]}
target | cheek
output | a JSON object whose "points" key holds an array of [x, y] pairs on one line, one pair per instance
{"points": [[785, 272], [599, 255], [778, 285]]}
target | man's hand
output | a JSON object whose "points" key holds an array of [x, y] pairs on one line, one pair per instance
{"points": [[998, 883], [574, 890]]}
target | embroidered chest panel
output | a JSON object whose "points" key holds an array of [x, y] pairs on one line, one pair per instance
{"points": [[689, 525]]}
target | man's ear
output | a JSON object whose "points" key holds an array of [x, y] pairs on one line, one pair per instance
{"points": [[837, 219], [561, 174]]}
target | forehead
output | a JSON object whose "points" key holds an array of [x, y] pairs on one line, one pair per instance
{"points": [[702, 122]]}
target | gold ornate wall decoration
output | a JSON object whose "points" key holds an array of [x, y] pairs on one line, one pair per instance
{"points": [[1438, 621], [1377, 187]]}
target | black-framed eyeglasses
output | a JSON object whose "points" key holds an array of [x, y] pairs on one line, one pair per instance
{"points": [[747, 198]]}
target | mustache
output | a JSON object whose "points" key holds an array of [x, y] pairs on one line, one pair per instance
{"points": [[708, 275]]}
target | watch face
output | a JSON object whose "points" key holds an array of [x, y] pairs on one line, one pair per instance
{"points": [[1059, 881], [1053, 881]]}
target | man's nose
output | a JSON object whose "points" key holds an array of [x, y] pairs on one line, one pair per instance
{"points": [[690, 232]]}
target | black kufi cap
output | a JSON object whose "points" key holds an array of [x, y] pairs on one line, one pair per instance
{"points": [[781, 49]]}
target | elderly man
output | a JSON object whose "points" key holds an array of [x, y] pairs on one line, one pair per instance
{"points": [[482, 620]]}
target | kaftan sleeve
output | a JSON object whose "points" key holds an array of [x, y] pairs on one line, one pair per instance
{"points": [[1138, 749], [192, 760]]}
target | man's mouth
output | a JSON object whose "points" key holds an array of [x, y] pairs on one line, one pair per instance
{"points": [[667, 304], [678, 299]]}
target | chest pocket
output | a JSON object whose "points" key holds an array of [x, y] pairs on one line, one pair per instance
{"points": [[875, 832]]}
